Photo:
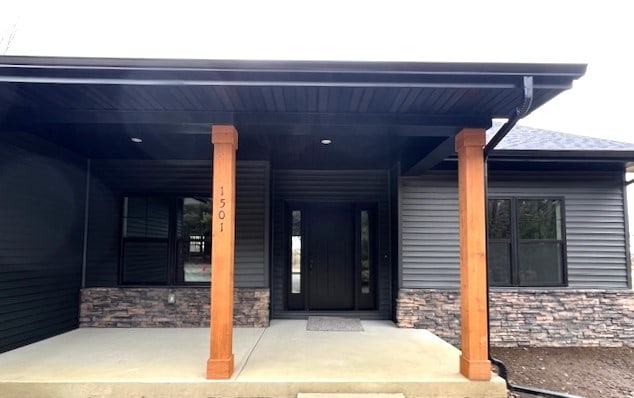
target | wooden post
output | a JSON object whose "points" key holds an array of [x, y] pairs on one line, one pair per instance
{"points": [[474, 361], [225, 141]]}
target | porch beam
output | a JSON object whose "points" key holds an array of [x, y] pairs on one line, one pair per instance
{"points": [[225, 143], [437, 155], [474, 362], [104, 116]]}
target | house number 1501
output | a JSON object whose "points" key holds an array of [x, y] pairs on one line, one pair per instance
{"points": [[221, 212]]}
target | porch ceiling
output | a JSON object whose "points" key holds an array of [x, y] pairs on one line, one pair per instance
{"points": [[91, 96]]}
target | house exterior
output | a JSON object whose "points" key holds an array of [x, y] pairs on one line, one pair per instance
{"points": [[352, 189]]}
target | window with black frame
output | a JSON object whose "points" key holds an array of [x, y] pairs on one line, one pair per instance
{"points": [[526, 242], [166, 240]]}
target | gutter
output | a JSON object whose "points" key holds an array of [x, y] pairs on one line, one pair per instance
{"points": [[520, 112]]}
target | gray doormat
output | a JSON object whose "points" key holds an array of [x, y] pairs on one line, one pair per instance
{"points": [[333, 324]]}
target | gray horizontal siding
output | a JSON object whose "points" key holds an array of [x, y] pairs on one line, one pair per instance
{"points": [[594, 216], [429, 232], [41, 232], [112, 179]]}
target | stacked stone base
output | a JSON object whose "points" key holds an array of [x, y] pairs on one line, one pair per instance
{"points": [[143, 307], [538, 318]]}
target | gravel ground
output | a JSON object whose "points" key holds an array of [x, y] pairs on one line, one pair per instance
{"points": [[587, 372]]}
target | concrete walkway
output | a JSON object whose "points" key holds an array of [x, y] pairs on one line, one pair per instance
{"points": [[280, 361]]}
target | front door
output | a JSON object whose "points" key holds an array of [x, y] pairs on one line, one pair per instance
{"points": [[331, 256]]}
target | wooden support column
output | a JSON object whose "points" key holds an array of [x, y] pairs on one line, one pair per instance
{"points": [[225, 142], [474, 361]]}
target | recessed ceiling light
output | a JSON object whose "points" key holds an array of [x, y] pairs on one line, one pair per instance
{"points": [[136, 140], [326, 141]]}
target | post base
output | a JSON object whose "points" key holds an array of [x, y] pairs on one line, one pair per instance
{"points": [[220, 368], [479, 370]]}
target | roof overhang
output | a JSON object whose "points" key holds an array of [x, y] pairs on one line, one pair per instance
{"points": [[90, 96]]}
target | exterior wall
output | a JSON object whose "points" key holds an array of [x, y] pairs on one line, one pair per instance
{"points": [[595, 309], [41, 236], [148, 307], [113, 179], [594, 217], [528, 317]]}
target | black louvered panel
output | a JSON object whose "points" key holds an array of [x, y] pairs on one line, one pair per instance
{"points": [[145, 262]]}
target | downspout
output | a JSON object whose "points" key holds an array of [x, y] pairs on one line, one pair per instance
{"points": [[520, 112]]}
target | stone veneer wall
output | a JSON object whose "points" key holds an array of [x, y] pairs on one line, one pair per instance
{"points": [[554, 318], [138, 307]]}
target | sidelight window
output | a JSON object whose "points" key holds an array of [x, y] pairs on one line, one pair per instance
{"points": [[296, 252], [365, 252]]}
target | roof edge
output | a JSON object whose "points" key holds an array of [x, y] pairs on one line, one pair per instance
{"points": [[611, 155], [572, 70]]}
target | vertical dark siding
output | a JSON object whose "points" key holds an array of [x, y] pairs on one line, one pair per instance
{"points": [[329, 185], [594, 215], [112, 179], [42, 192]]}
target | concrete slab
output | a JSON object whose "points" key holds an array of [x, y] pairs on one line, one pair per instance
{"points": [[382, 352], [121, 355], [341, 395], [280, 361]]}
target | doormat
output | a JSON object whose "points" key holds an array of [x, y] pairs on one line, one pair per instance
{"points": [[333, 324]]}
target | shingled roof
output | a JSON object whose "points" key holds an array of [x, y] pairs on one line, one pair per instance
{"points": [[522, 138]]}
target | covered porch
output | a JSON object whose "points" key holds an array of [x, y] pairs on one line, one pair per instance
{"points": [[279, 361], [116, 120]]}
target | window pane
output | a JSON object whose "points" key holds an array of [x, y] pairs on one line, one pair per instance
{"points": [[499, 217], [539, 219], [540, 263], [194, 239], [297, 222], [145, 246], [365, 252], [146, 217], [296, 252], [145, 262], [499, 263]]}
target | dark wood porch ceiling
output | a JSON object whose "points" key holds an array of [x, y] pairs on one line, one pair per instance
{"points": [[81, 101]]}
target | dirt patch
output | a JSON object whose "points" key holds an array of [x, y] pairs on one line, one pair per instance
{"points": [[588, 372]]}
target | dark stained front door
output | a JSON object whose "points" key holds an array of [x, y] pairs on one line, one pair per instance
{"points": [[331, 257], [330, 251]]}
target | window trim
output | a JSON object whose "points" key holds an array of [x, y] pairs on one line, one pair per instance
{"points": [[173, 278], [515, 241]]}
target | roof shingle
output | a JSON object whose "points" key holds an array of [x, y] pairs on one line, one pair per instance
{"points": [[522, 138]]}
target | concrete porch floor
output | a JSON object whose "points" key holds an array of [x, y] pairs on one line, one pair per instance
{"points": [[280, 361]]}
